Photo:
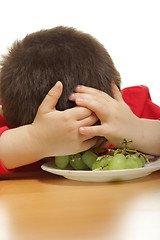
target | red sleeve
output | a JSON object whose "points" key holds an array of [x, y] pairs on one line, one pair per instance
{"points": [[139, 100], [3, 122], [3, 170], [151, 111]]}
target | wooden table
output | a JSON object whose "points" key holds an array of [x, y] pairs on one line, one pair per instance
{"points": [[40, 205]]}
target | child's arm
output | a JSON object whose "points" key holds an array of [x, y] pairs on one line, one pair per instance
{"points": [[117, 120], [52, 133]]}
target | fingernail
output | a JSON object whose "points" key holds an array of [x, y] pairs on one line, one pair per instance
{"points": [[77, 88], [57, 85], [82, 130], [72, 96]]}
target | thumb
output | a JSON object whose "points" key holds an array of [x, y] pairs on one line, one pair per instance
{"points": [[51, 98]]}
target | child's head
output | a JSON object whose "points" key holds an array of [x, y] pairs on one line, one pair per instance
{"points": [[34, 64]]}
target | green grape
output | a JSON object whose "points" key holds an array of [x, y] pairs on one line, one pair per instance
{"points": [[117, 162], [77, 162], [142, 158], [131, 163], [89, 158], [96, 166], [97, 169], [102, 163], [62, 161], [105, 168], [139, 161], [136, 159]]}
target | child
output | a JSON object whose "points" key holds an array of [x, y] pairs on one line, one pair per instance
{"points": [[31, 68]]}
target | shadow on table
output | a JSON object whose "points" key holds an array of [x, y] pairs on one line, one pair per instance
{"points": [[49, 178], [59, 180]]}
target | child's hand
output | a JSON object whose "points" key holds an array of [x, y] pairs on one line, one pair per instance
{"points": [[117, 120], [57, 132]]}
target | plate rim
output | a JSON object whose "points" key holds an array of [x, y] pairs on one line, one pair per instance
{"points": [[150, 167]]}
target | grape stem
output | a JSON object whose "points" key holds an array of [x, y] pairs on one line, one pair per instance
{"points": [[124, 150]]}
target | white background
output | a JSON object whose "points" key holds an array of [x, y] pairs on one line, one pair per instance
{"points": [[129, 30]]}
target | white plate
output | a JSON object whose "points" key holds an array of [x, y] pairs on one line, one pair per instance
{"points": [[103, 176]]}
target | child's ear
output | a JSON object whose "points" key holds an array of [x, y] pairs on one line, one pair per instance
{"points": [[116, 92], [1, 111], [113, 82]]}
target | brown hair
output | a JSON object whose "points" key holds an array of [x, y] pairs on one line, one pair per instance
{"points": [[33, 65]]}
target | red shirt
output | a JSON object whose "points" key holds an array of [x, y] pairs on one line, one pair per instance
{"points": [[139, 101], [137, 98], [3, 170]]}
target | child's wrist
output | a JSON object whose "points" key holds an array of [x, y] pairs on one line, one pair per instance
{"points": [[135, 134], [34, 137]]}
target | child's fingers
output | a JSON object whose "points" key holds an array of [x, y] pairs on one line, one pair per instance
{"points": [[94, 103], [92, 119], [82, 99], [92, 131], [93, 91], [51, 98], [88, 90], [78, 113], [87, 144]]}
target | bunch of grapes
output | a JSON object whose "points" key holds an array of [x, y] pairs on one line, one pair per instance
{"points": [[114, 159]]}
